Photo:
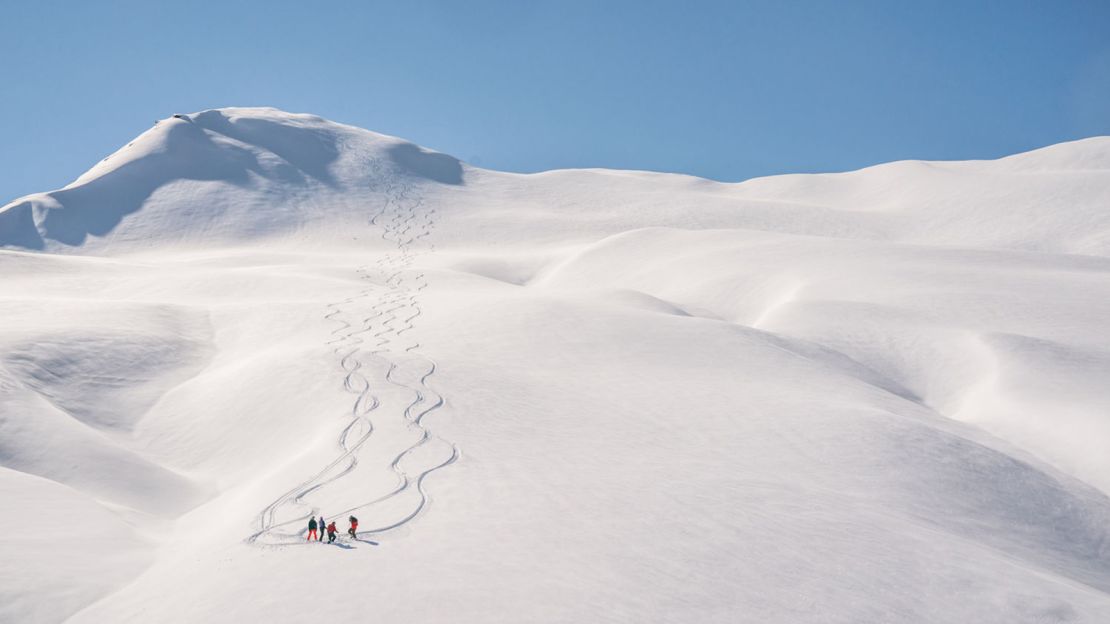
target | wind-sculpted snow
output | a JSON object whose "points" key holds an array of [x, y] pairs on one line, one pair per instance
{"points": [[572, 396]]}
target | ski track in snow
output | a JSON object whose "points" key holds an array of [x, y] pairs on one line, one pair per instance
{"points": [[405, 223]]}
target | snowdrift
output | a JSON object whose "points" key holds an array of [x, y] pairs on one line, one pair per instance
{"points": [[580, 395]]}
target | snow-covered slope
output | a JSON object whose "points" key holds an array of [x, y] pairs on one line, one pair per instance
{"points": [[878, 396]]}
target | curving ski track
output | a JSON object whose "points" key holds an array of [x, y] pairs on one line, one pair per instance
{"points": [[404, 223]]}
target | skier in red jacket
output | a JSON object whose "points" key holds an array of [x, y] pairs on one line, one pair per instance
{"points": [[354, 527], [331, 531]]}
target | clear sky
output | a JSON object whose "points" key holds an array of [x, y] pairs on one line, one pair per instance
{"points": [[726, 90]]}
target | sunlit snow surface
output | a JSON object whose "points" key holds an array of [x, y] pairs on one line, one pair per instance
{"points": [[575, 396]]}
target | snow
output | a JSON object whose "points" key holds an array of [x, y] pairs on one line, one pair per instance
{"points": [[581, 395]]}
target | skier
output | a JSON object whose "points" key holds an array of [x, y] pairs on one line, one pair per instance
{"points": [[331, 532], [354, 527], [312, 529], [322, 525]]}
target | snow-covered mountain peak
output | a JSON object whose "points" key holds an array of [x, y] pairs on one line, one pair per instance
{"points": [[218, 175], [230, 144]]}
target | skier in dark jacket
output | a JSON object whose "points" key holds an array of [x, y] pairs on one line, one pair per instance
{"points": [[322, 525], [331, 532], [312, 529], [354, 527]]}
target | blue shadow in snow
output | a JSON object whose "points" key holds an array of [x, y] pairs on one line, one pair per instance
{"points": [[428, 165]]}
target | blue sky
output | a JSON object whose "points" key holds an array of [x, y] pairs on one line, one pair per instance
{"points": [[725, 90]]}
